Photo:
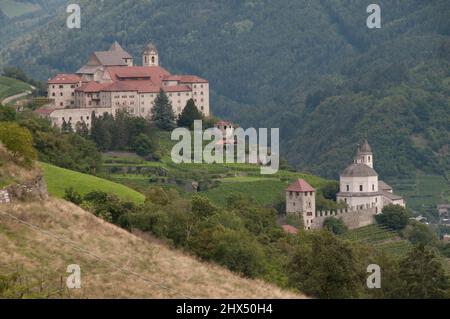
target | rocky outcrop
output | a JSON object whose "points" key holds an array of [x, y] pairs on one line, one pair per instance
{"points": [[33, 190]]}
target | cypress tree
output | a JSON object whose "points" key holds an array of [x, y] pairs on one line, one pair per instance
{"points": [[189, 115], [163, 116]]}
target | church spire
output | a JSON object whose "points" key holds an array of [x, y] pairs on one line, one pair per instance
{"points": [[150, 57], [364, 154]]}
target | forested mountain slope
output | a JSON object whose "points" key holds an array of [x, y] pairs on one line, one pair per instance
{"points": [[312, 68]]}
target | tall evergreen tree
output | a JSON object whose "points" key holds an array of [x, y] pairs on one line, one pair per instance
{"points": [[120, 131], [82, 129], [189, 115], [163, 116], [99, 133], [64, 126]]}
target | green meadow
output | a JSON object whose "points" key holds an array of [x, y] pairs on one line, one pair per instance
{"points": [[59, 179]]}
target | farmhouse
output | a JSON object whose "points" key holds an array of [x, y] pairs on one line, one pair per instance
{"points": [[360, 189], [110, 81]]}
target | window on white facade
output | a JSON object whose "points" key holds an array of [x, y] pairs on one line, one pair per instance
{"points": [[360, 188]]}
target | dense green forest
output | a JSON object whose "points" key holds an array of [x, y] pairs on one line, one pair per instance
{"points": [[20, 17], [312, 68]]}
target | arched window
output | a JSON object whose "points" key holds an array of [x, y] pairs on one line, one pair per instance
{"points": [[369, 159], [360, 188], [153, 59]]}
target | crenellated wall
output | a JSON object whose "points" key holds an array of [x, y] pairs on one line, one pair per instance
{"points": [[353, 218]]}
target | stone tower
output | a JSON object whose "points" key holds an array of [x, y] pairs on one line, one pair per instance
{"points": [[364, 154], [150, 56], [301, 200]]}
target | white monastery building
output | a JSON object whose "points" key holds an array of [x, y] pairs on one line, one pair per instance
{"points": [[360, 189], [110, 81]]}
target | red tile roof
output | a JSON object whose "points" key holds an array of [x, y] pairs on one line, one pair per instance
{"points": [[176, 88], [92, 87], [153, 73], [300, 186], [130, 85], [44, 112], [185, 79], [142, 87], [64, 79], [290, 229]]}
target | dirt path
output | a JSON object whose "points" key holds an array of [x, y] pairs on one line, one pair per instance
{"points": [[17, 96]]}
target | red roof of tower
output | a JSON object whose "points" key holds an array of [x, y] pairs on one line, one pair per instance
{"points": [[301, 186]]}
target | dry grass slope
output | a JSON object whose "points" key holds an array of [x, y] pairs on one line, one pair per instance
{"points": [[11, 173], [41, 256]]}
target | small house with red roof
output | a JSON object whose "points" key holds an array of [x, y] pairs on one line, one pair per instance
{"points": [[301, 201]]}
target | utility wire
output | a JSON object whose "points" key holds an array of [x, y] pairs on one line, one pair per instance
{"points": [[75, 246]]}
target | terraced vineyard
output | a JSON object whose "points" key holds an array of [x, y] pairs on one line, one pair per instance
{"points": [[216, 181], [381, 238], [9, 87], [425, 191]]}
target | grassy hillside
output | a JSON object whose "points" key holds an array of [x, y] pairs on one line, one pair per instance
{"points": [[9, 87], [42, 260], [59, 179]]}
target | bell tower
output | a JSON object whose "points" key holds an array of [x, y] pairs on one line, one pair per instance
{"points": [[364, 154], [150, 57]]}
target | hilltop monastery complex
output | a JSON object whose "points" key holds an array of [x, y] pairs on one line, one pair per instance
{"points": [[110, 81]]}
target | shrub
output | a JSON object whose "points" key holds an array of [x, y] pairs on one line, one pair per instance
{"points": [[73, 196], [19, 142], [335, 225], [394, 217]]}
